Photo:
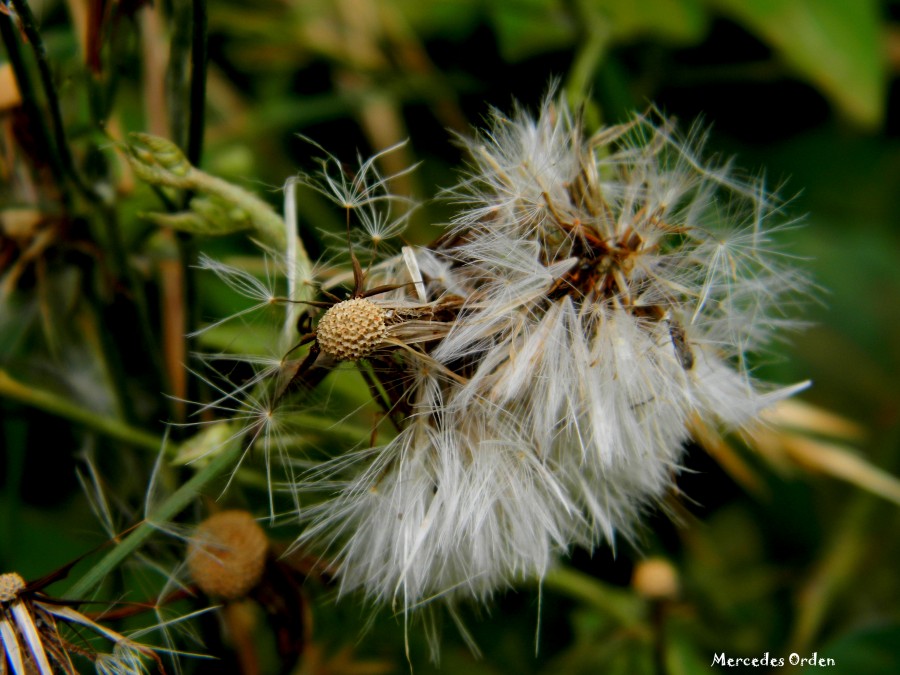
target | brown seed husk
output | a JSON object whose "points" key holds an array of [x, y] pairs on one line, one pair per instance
{"points": [[227, 557], [655, 579]]}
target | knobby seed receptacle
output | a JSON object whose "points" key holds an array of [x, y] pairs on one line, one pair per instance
{"points": [[10, 586], [352, 329]]}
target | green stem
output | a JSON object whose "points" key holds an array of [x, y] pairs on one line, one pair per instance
{"points": [[267, 223], [62, 145], [64, 155], [57, 405], [170, 508], [161, 162], [614, 602], [834, 571], [596, 36], [198, 83], [194, 149], [841, 564], [176, 74], [124, 271], [30, 104]]}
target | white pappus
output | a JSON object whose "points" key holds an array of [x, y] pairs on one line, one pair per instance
{"points": [[608, 289], [541, 365]]}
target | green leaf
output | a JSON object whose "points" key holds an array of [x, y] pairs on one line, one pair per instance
{"points": [[836, 46], [239, 338], [528, 27], [874, 651], [682, 654], [681, 21]]}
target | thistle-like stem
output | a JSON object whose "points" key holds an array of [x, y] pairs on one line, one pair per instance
{"points": [[58, 405], [170, 508]]}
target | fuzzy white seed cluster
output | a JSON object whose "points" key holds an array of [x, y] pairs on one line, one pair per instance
{"points": [[612, 287], [351, 330]]}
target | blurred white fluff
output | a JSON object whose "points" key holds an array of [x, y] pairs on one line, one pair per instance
{"points": [[613, 285]]}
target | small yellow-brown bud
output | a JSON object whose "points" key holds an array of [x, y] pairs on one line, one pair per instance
{"points": [[351, 330], [227, 556], [655, 579], [10, 586]]}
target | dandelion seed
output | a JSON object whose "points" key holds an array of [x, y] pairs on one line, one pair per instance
{"points": [[350, 191], [244, 284]]}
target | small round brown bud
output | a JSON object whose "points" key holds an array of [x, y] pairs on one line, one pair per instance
{"points": [[10, 586], [227, 556], [351, 330], [655, 579]]}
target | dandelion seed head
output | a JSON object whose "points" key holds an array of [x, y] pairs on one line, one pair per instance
{"points": [[543, 364], [228, 554], [352, 329], [11, 584], [613, 287]]}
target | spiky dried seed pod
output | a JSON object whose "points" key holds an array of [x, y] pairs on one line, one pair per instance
{"points": [[10, 586], [351, 330], [228, 554]]}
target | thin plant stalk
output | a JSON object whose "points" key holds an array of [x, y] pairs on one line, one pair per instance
{"points": [[194, 152], [57, 405], [30, 105], [199, 55], [168, 509], [63, 155], [62, 145], [176, 74], [624, 607], [589, 58]]}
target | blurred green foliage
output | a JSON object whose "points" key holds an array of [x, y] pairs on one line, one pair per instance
{"points": [[95, 300]]}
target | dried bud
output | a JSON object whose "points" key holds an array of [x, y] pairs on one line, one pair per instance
{"points": [[655, 579], [228, 554], [351, 330]]}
